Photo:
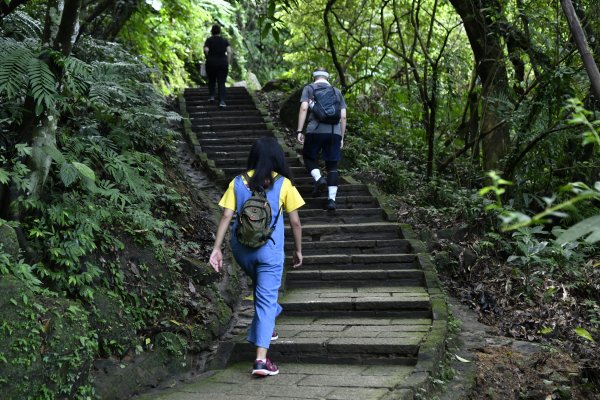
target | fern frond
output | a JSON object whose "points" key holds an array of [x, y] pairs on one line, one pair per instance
{"points": [[13, 67], [42, 83], [20, 25], [77, 75]]}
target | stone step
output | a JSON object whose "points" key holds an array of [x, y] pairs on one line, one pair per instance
{"points": [[198, 120], [324, 301], [225, 136], [216, 110], [342, 202], [204, 89], [328, 232], [230, 113], [335, 340], [230, 97], [341, 216], [237, 161], [348, 189], [224, 152], [324, 278], [350, 262], [231, 141], [241, 128], [352, 246]]}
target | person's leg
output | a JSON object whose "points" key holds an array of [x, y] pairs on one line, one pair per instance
{"points": [[268, 281], [266, 309], [332, 155], [221, 79], [310, 153], [211, 75]]}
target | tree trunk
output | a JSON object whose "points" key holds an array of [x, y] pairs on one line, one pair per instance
{"points": [[582, 44], [489, 58]]}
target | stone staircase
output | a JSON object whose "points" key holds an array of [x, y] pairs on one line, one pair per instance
{"points": [[365, 294]]}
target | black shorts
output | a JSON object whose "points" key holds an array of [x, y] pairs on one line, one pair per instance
{"points": [[329, 143]]}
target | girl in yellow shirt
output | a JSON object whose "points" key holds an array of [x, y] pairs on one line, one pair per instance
{"points": [[264, 265]]}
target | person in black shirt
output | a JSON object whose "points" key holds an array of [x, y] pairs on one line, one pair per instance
{"points": [[218, 57]]}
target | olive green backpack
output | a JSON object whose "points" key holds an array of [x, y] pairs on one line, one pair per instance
{"points": [[254, 227]]}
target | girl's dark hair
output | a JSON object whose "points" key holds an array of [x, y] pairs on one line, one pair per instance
{"points": [[266, 156], [215, 30]]}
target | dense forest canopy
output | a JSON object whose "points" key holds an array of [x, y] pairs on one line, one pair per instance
{"points": [[446, 98]]}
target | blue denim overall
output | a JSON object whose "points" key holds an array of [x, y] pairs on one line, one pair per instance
{"points": [[263, 265]]}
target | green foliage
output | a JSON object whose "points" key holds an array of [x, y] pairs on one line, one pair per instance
{"points": [[107, 194], [172, 36]]}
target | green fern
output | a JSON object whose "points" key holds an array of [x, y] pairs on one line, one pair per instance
{"points": [[77, 76], [16, 59], [42, 83], [21, 26]]}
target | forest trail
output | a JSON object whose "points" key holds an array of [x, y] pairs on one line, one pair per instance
{"points": [[363, 317]]}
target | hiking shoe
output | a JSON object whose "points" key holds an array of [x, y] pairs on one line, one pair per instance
{"points": [[274, 336], [320, 185], [211, 99], [331, 205], [222, 104], [264, 368]]}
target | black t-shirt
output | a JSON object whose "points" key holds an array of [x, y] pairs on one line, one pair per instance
{"points": [[217, 47]]}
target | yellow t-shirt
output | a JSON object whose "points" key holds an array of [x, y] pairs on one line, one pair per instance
{"points": [[289, 197]]}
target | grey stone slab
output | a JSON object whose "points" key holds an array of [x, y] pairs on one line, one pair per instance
{"points": [[312, 327], [394, 289], [270, 388], [353, 295], [391, 328], [355, 321], [389, 370], [205, 386], [295, 320], [331, 335], [408, 346], [356, 394], [400, 335], [322, 369], [411, 321], [349, 381]]}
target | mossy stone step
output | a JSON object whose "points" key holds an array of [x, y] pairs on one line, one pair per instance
{"points": [[230, 113], [349, 278], [341, 216], [342, 202], [216, 110], [230, 127], [345, 189], [373, 230], [381, 246], [351, 262], [220, 120]]}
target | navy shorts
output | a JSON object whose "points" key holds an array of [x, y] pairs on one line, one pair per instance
{"points": [[329, 143]]}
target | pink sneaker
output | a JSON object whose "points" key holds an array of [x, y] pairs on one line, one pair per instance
{"points": [[264, 368]]}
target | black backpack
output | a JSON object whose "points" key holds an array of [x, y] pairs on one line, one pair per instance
{"points": [[254, 227], [326, 107]]}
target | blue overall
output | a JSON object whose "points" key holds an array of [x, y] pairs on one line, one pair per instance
{"points": [[263, 265]]}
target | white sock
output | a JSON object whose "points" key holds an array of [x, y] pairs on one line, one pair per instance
{"points": [[316, 174], [332, 192]]}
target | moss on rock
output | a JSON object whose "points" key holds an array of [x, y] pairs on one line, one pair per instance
{"points": [[46, 349], [9, 241]]}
